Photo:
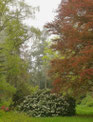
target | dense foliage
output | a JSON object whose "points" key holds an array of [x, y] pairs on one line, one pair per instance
{"points": [[73, 26], [44, 104], [13, 34], [87, 101], [23, 90]]}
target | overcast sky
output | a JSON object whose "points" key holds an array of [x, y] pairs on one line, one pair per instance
{"points": [[46, 13]]}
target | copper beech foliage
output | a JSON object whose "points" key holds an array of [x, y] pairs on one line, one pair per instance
{"points": [[74, 27]]}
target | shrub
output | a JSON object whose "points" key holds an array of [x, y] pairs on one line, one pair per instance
{"points": [[21, 92], [87, 101], [6, 90], [44, 104], [6, 109]]}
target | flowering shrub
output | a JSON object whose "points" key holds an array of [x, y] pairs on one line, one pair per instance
{"points": [[44, 104], [4, 108]]}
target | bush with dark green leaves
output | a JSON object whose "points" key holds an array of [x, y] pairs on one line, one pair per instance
{"points": [[22, 91], [45, 104]]}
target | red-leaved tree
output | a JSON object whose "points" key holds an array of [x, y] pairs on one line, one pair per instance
{"points": [[74, 26]]}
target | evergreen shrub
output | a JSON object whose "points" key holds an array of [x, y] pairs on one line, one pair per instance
{"points": [[47, 104], [20, 94]]}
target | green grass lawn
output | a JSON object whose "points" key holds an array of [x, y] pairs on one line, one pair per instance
{"points": [[84, 114]]}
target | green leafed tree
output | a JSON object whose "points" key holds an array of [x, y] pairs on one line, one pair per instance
{"points": [[13, 33]]}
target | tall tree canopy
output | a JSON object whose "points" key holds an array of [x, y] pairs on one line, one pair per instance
{"points": [[74, 26], [13, 33]]}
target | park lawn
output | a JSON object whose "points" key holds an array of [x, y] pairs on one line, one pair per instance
{"points": [[84, 115]]}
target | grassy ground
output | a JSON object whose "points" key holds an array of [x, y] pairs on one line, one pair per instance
{"points": [[84, 115]]}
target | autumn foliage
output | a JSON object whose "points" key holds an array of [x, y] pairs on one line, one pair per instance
{"points": [[74, 26]]}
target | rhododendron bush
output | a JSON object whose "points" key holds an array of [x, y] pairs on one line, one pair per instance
{"points": [[45, 104], [74, 27]]}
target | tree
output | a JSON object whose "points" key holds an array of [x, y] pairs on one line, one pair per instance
{"points": [[36, 68], [74, 27], [49, 55], [13, 33], [14, 74]]}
